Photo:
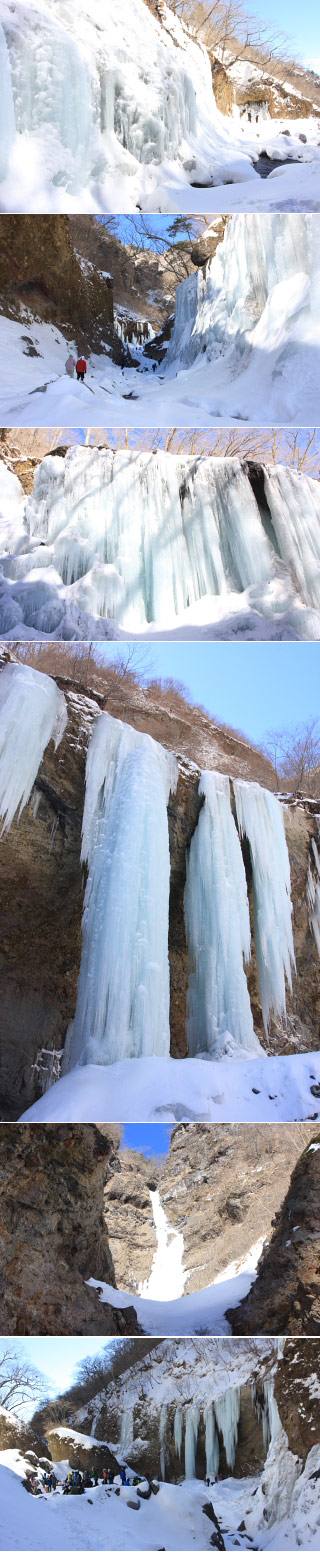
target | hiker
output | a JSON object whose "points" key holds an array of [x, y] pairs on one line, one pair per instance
{"points": [[110, 1476], [70, 366], [96, 1477], [123, 1475], [81, 367]]}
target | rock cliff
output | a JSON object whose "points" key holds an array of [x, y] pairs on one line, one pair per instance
{"points": [[285, 1296], [53, 1231], [40, 272], [41, 886]]}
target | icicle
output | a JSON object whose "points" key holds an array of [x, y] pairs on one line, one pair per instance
{"points": [[212, 1442], [191, 1440], [127, 1433], [123, 995], [271, 1423], [227, 1412], [260, 818], [313, 890], [32, 711], [162, 1439], [217, 927], [178, 1422]]}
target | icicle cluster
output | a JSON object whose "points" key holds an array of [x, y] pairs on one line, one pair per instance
{"points": [[313, 890], [260, 818], [32, 711]]}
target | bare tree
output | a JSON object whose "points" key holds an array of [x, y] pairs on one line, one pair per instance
{"points": [[295, 756], [20, 1382]]}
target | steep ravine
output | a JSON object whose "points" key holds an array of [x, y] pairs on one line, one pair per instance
{"points": [[42, 889], [285, 1296]]}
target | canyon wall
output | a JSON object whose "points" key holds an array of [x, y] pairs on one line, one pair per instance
{"points": [[285, 1296]]}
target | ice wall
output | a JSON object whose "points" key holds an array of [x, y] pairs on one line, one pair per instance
{"points": [[227, 1413], [162, 1439], [263, 276], [123, 994], [217, 928], [260, 818], [137, 539], [32, 711]]}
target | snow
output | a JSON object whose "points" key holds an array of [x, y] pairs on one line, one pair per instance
{"points": [[244, 349], [217, 927], [120, 543], [32, 711], [128, 118], [276, 1088], [123, 991], [260, 819], [167, 1277], [161, 1313]]}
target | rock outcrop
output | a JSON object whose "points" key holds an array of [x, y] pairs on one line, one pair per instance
{"points": [[42, 888], [285, 1296], [53, 1234], [129, 1217], [40, 271], [297, 1393], [82, 1454]]}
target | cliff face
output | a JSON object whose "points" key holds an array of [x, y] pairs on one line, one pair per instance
{"points": [[53, 1231], [41, 887], [40, 271], [297, 1394], [285, 1296]]}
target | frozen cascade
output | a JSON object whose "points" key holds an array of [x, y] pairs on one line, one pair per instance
{"points": [[162, 1439], [271, 1423], [32, 711], [217, 928], [178, 1430], [7, 118], [313, 890], [167, 1277], [191, 1440], [127, 1431], [123, 993], [119, 535], [260, 818], [212, 1442], [227, 1412]]}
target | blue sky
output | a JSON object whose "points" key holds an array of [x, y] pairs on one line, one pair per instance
{"points": [[300, 23], [252, 686], [147, 1139], [56, 1357]]}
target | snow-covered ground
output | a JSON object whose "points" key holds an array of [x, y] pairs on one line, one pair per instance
{"points": [[115, 112], [245, 346], [197, 1313], [274, 1088], [118, 544], [287, 1519]]}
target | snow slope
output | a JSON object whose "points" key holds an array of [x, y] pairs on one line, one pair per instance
{"points": [[116, 112], [196, 1313], [274, 1088], [245, 345]]}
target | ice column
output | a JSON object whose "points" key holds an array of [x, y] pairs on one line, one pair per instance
{"points": [[192, 1425], [162, 1438], [271, 1423], [178, 1420], [126, 1437], [212, 1442], [313, 890], [227, 1411], [217, 927], [32, 711], [260, 818], [123, 995], [7, 116]]}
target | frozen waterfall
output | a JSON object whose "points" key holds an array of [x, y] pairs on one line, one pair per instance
{"points": [[227, 1412], [167, 1277], [271, 1423], [191, 1440], [212, 1442], [260, 818], [123, 994], [143, 540], [178, 1430], [32, 711], [218, 928], [127, 1431], [313, 889], [162, 1439]]}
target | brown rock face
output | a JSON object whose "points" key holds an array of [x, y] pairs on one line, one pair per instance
{"points": [[53, 1233], [296, 1387], [81, 1457], [285, 1296], [129, 1216], [40, 270], [42, 889]]}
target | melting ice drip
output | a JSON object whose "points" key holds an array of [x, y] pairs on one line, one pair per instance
{"points": [[260, 818], [167, 1277], [217, 927], [32, 711], [123, 995], [217, 915], [120, 535]]}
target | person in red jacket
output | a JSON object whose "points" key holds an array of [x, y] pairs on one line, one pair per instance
{"points": [[81, 368]]}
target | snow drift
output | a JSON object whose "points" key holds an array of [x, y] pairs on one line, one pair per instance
{"points": [[113, 112], [119, 543]]}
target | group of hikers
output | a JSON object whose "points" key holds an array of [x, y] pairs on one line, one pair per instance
{"points": [[80, 367], [76, 1481]]}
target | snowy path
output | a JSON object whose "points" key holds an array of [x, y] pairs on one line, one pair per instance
{"points": [[197, 1313], [273, 1088]]}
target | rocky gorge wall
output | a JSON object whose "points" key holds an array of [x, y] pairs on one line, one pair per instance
{"points": [[285, 1296], [42, 887], [41, 271]]}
